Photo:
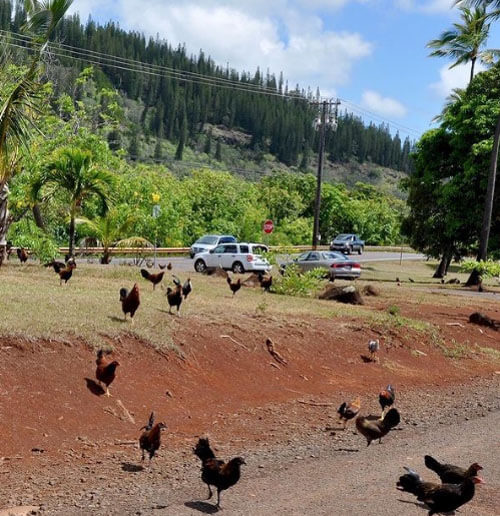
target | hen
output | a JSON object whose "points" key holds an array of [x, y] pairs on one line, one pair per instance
{"points": [[216, 472], [22, 254], [106, 370], [386, 398], [174, 298], [66, 272], [130, 301], [150, 439], [376, 429], [234, 285], [450, 474], [265, 282], [186, 288], [348, 411], [153, 278]]}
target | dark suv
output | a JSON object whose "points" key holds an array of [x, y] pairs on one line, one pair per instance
{"points": [[348, 243]]}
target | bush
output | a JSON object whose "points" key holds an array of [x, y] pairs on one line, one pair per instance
{"points": [[293, 282], [27, 235]]}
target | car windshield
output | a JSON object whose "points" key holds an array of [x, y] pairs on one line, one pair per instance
{"points": [[227, 239], [342, 237], [210, 240]]}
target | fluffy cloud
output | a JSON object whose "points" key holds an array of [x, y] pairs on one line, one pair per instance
{"points": [[384, 106], [451, 78], [282, 35], [426, 6]]}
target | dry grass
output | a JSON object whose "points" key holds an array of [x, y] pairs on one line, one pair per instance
{"points": [[35, 306]]}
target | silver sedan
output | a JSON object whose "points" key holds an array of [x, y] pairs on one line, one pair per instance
{"points": [[337, 264]]}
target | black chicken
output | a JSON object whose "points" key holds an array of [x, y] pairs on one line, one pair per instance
{"points": [[234, 285], [450, 474], [222, 475]]}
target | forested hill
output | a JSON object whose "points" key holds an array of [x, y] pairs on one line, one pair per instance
{"points": [[162, 107]]}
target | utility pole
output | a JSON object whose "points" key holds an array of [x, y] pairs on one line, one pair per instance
{"points": [[326, 117]]}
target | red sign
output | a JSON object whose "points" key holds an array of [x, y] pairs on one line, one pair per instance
{"points": [[268, 226]]}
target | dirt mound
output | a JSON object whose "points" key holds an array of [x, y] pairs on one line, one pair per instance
{"points": [[349, 295], [483, 320], [370, 290], [252, 281], [216, 272]]}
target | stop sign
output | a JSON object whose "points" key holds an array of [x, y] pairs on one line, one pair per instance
{"points": [[268, 226]]}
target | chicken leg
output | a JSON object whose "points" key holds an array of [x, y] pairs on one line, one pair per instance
{"points": [[210, 493], [107, 391], [218, 500]]}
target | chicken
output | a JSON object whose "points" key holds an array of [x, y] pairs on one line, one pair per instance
{"points": [[411, 280], [216, 472], [106, 370], [154, 278], [348, 411], [234, 286], [22, 254], [150, 439], [450, 474], [373, 348], [174, 298], [167, 266], [411, 482], [377, 428], [449, 497], [130, 301], [57, 266], [186, 288], [66, 273], [265, 282], [386, 398]]}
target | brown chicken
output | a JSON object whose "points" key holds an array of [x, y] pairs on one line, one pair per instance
{"points": [[234, 285], [57, 266], [150, 439], [130, 301], [174, 298], [348, 411], [216, 472], [22, 254], [153, 278], [386, 398], [265, 282], [66, 273], [106, 370], [450, 474], [411, 482], [376, 428]]}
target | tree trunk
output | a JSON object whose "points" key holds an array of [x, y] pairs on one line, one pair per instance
{"points": [[37, 215], [474, 278], [72, 235], [4, 221], [473, 61], [443, 266]]}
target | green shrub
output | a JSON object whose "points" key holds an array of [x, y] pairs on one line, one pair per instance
{"points": [[296, 283], [26, 234], [393, 310]]}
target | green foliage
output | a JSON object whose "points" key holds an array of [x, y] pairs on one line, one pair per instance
{"points": [[393, 310], [295, 283], [485, 268], [26, 234]]}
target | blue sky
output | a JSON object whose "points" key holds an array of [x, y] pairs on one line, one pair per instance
{"points": [[371, 53]]}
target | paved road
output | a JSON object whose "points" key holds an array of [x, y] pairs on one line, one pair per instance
{"points": [[185, 264], [361, 483]]}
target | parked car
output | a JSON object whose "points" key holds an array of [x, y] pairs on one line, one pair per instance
{"points": [[337, 264], [347, 243], [208, 242], [238, 257]]}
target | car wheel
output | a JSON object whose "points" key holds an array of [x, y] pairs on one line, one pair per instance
{"points": [[200, 265], [349, 250], [360, 250], [238, 268]]}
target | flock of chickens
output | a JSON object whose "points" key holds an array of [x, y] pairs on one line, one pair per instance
{"points": [[457, 485]]}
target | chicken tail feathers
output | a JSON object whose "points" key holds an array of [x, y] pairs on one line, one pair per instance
{"points": [[151, 422], [341, 409], [145, 273], [202, 450], [391, 419], [176, 280], [432, 463], [410, 482], [228, 279]]}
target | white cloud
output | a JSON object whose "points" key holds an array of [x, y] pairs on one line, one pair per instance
{"points": [[451, 78], [426, 6], [282, 35], [384, 106]]}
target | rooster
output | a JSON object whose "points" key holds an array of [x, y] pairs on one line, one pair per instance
{"points": [[348, 411], [22, 254], [66, 272], [216, 472], [373, 349], [376, 429], [234, 285], [441, 498], [386, 398], [265, 282], [130, 301], [174, 298], [150, 439], [450, 474], [106, 370], [153, 278], [186, 288], [166, 266]]}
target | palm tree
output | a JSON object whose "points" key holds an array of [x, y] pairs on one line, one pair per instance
{"points": [[110, 231], [465, 42], [19, 98], [73, 170]]}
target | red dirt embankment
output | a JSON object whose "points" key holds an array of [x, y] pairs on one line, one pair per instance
{"points": [[223, 368]]}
